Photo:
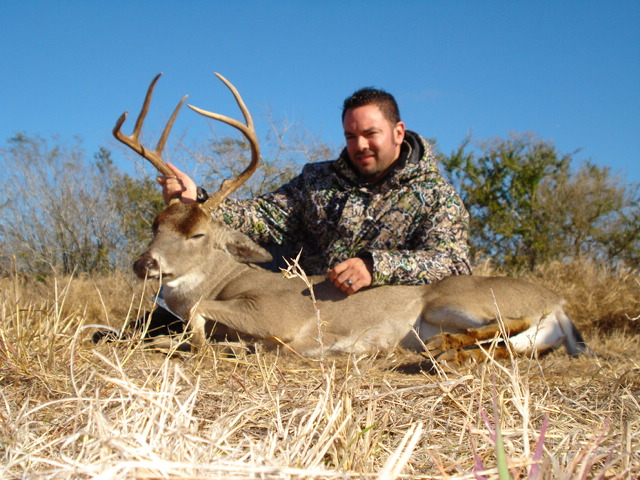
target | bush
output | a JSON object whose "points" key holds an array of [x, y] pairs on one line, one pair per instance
{"points": [[528, 205]]}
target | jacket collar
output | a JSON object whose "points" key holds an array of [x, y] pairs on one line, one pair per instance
{"points": [[416, 160]]}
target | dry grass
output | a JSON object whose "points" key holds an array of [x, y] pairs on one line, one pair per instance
{"points": [[71, 409]]}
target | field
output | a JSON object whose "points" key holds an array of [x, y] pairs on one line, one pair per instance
{"points": [[72, 409]]}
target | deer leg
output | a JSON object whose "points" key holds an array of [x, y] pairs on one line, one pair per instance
{"points": [[196, 327], [475, 353], [445, 345]]}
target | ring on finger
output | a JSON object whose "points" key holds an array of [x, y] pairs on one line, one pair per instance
{"points": [[348, 282]]}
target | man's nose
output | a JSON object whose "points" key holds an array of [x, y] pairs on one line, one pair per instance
{"points": [[363, 144]]}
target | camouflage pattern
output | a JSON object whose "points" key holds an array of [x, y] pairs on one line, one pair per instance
{"points": [[412, 223]]}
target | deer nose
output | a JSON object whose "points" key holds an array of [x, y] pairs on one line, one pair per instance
{"points": [[143, 264]]}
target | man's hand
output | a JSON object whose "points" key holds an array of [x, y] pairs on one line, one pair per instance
{"points": [[352, 275], [179, 186]]}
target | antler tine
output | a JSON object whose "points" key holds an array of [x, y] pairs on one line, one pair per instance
{"points": [[133, 140], [239, 101], [248, 130]]}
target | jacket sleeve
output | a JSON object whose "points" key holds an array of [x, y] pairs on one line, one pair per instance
{"points": [[272, 218], [439, 246]]}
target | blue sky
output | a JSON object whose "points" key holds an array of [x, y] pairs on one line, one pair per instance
{"points": [[568, 71]]}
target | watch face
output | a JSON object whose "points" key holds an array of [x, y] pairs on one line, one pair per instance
{"points": [[202, 195]]}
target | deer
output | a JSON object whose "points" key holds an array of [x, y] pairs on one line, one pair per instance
{"points": [[210, 279]]}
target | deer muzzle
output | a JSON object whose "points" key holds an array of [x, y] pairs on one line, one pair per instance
{"points": [[146, 267]]}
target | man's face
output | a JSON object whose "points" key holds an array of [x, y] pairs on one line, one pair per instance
{"points": [[373, 143]]}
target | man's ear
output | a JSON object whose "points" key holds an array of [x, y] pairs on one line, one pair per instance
{"points": [[245, 250], [398, 132]]}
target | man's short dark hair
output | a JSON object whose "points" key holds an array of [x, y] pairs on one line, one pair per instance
{"points": [[373, 96]]}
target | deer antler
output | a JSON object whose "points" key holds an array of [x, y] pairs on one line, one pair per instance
{"points": [[133, 141], [248, 130]]}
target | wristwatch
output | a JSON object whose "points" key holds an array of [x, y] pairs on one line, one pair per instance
{"points": [[201, 195]]}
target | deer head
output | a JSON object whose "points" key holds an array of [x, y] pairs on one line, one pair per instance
{"points": [[184, 233]]}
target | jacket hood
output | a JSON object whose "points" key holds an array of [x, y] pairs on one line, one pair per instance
{"points": [[417, 161]]}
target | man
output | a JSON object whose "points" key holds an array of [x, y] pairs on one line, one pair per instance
{"points": [[379, 214]]}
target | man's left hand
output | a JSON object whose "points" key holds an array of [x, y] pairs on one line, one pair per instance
{"points": [[352, 275]]}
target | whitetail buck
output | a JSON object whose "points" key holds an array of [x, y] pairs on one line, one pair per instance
{"points": [[208, 278]]}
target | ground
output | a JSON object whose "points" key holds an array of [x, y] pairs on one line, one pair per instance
{"points": [[72, 409]]}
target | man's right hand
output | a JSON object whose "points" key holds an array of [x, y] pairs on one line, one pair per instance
{"points": [[180, 186]]}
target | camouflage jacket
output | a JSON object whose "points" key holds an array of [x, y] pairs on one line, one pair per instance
{"points": [[412, 223]]}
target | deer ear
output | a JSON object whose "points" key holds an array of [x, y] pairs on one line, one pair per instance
{"points": [[245, 250]]}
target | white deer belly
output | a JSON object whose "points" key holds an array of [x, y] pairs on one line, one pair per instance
{"points": [[545, 335]]}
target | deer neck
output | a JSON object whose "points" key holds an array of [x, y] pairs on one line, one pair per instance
{"points": [[217, 274]]}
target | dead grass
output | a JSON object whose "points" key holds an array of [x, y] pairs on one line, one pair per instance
{"points": [[71, 409]]}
